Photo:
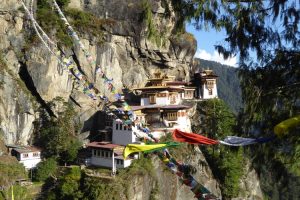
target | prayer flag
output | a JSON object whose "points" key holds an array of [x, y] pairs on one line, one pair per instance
{"points": [[134, 148], [192, 138], [239, 141], [283, 127]]}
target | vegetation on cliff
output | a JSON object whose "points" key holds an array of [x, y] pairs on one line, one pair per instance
{"points": [[153, 33], [73, 183], [56, 135], [227, 163], [84, 22]]}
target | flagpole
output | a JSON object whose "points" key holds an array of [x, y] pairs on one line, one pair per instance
{"points": [[113, 163], [12, 193]]}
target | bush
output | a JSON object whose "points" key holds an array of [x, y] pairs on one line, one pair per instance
{"points": [[10, 170], [45, 169], [20, 192], [70, 184]]}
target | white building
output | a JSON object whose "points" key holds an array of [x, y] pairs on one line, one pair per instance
{"points": [[105, 154], [206, 85], [122, 134], [160, 106], [29, 156], [165, 90]]}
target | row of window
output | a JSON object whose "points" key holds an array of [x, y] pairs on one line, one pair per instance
{"points": [[121, 127], [161, 95], [25, 155], [189, 93], [106, 154], [102, 153], [172, 116]]}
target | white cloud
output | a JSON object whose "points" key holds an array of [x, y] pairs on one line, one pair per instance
{"points": [[201, 53]]}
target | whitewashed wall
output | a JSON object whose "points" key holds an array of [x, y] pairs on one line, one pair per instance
{"points": [[122, 137]]}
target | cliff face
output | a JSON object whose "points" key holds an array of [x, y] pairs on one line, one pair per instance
{"points": [[32, 76], [16, 104]]}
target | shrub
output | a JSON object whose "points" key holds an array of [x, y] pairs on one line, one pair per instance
{"points": [[10, 170], [45, 169]]}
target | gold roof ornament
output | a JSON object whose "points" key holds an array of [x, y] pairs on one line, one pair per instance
{"points": [[208, 71], [157, 74]]}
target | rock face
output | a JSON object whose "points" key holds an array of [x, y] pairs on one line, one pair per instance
{"points": [[16, 103], [250, 185], [126, 54], [162, 184]]}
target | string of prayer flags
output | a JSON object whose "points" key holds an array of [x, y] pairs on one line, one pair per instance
{"points": [[66, 63], [192, 138], [146, 148], [147, 131], [183, 172]]}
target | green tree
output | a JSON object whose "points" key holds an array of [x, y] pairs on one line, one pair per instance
{"points": [[45, 169], [57, 135], [227, 162], [270, 82], [218, 120]]}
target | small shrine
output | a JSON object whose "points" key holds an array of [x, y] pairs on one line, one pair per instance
{"points": [[206, 84]]}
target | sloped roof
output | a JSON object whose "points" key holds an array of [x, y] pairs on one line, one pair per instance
{"points": [[104, 145], [27, 149], [160, 107]]}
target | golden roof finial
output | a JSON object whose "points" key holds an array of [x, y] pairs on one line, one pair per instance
{"points": [[157, 74]]}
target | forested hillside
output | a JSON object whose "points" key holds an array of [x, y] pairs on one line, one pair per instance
{"points": [[228, 83]]}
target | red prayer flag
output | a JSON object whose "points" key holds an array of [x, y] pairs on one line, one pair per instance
{"points": [[192, 138]]}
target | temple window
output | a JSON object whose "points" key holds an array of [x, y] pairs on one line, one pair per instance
{"points": [[35, 154], [172, 116], [152, 99]]}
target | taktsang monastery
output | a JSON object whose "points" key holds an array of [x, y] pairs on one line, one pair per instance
{"points": [[160, 109]]}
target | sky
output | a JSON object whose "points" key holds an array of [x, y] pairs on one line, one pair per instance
{"points": [[205, 45]]}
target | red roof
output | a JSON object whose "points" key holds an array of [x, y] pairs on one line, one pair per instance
{"points": [[103, 145]]}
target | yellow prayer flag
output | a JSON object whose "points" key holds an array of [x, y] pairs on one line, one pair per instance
{"points": [[283, 127], [134, 148]]}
